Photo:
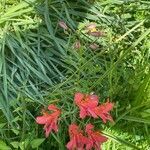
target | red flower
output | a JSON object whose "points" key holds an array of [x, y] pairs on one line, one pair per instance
{"points": [[95, 138], [49, 120], [86, 104], [103, 111], [77, 140]]}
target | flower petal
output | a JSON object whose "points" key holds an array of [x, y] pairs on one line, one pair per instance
{"points": [[108, 106], [71, 144], [83, 113], [78, 97], [89, 127], [92, 113], [48, 129], [52, 107], [42, 119], [63, 25], [96, 33], [103, 111], [91, 26]]}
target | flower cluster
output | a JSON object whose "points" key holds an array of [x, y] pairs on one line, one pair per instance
{"points": [[91, 139], [89, 107]]}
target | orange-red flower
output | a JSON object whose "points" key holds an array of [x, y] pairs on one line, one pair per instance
{"points": [[77, 140], [49, 119], [95, 138], [103, 111], [87, 104]]}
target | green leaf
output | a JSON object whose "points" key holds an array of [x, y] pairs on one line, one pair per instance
{"points": [[15, 144], [2, 125], [37, 142], [15, 131], [136, 119], [3, 146], [23, 145]]}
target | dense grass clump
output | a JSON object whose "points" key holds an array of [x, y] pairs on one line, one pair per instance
{"points": [[41, 63]]}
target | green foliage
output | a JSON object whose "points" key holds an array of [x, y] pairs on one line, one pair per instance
{"points": [[4, 146], [39, 65], [36, 142]]}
